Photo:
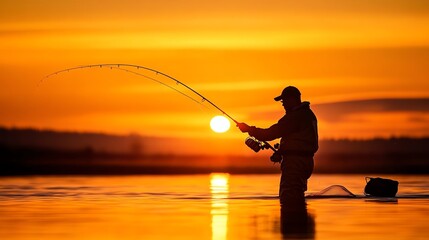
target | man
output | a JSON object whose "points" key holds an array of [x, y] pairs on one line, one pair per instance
{"points": [[299, 141]]}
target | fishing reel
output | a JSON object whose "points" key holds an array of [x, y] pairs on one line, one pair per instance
{"points": [[255, 144]]}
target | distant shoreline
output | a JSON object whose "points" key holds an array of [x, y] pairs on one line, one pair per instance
{"points": [[80, 163], [31, 152]]}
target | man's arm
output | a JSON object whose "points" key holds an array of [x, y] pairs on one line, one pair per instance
{"points": [[262, 134]]}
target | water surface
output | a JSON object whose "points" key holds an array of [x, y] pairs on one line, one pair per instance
{"points": [[215, 206]]}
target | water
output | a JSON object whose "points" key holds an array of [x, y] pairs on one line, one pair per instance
{"points": [[216, 206]]}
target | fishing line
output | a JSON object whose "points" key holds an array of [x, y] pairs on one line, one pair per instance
{"points": [[156, 80], [122, 66]]}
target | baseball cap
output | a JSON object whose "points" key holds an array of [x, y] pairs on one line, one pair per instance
{"points": [[289, 91]]}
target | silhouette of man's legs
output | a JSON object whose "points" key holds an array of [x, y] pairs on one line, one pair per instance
{"points": [[293, 182]]}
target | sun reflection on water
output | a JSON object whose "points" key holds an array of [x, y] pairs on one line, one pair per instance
{"points": [[219, 189]]}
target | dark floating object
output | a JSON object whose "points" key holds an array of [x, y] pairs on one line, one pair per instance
{"points": [[381, 187]]}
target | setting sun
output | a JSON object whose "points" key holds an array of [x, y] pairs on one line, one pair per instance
{"points": [[219, 124]]}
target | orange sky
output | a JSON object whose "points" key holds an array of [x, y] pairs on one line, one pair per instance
{"points": [[238, 54]]}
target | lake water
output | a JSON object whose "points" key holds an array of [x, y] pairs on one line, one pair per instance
{"points": [[216, 206]]}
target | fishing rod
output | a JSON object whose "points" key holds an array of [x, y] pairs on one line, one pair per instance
{"points": [[119, 65], [253, 143], [166, 85]]}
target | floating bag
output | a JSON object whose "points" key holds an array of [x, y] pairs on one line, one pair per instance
{"points": [[381, 187]]}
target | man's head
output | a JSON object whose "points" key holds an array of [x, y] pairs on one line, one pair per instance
{"points": [[290, 97]]}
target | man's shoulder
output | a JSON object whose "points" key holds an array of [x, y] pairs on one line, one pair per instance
{"points": [[283, 119], [299, 114]]}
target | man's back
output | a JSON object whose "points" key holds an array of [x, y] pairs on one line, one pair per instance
{"points": [[299, 130]]}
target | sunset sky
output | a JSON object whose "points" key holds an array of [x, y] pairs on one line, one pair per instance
{"points": [[363, 65]]}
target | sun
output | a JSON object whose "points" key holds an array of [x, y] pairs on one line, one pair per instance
{"points": [[219, 124]]}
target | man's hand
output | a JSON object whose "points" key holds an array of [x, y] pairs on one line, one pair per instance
{"points": [[243, 127], [276, 157]]}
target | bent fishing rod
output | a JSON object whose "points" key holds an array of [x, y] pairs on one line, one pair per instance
{"points": [[253, 143]]}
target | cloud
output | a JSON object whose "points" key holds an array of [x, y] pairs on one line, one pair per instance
{"points": [[337, 111]]}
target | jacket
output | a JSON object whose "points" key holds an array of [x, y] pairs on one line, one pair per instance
{"points": [[297, 130]]}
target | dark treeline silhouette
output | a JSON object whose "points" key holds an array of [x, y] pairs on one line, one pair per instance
{"points": [[47, 139], [29, 151], [392, 155]]}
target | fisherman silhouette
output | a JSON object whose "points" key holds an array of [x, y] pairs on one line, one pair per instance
{"points": [[299, 142]]}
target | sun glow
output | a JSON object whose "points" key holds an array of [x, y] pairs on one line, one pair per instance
{"points": [[219, 124]]}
